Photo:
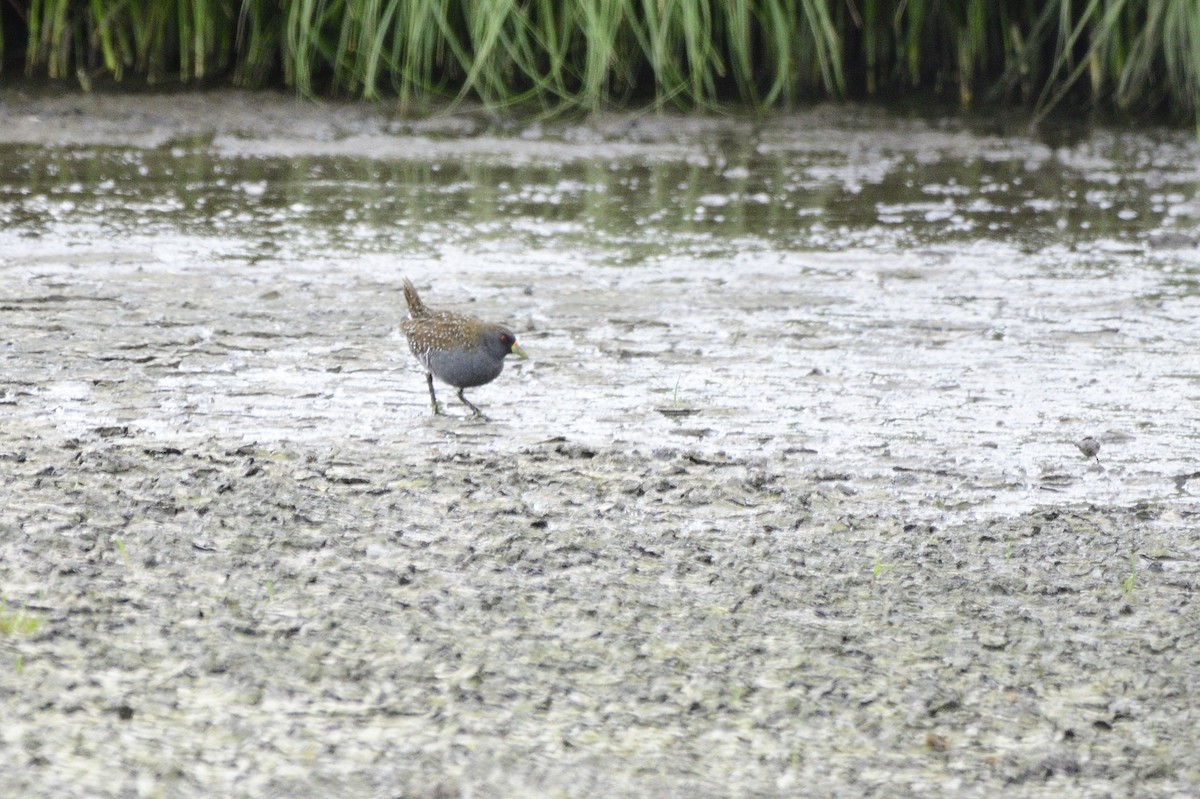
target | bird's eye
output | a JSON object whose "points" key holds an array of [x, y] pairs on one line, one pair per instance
{"points": [[506, 339]]}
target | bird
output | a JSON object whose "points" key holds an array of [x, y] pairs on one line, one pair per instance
{"points": [[457, 349], [1090, 448]]}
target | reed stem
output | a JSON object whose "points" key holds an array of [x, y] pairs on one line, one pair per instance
{"points": [[1131, 56]]}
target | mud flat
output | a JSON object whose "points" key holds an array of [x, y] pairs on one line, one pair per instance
{"points": [[568, 621], [755, 519]]}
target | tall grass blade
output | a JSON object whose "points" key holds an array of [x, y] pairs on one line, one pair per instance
{"points": [[1137, 55]]}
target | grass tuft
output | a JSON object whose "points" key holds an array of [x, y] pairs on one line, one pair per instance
{"points": [[18, 622], [1132, 56], [1129, 582]]}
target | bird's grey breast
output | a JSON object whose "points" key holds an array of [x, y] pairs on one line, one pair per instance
{"points": [[464, 368]]}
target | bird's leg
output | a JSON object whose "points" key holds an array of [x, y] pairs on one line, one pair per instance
{"points": [[475, 411], [437, 409]]}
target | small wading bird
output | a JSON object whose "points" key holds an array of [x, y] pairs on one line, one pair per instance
{"points": [[457, 349], [1090, 448]]}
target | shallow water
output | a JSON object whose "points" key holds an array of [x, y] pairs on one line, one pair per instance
{"points": [[927, 303]]}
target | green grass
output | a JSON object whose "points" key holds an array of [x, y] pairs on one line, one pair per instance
{"points": [[1132, 56], [1129, 582], [880, 569], [121, 550], [18, 622]]}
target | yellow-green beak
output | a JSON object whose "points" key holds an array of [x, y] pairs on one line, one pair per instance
{"points": [[517, 351]]}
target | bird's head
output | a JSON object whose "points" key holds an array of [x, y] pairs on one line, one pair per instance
{"points": [[501, 342]]}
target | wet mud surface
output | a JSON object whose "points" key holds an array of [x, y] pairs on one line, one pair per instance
{"points": [[787, 500]]}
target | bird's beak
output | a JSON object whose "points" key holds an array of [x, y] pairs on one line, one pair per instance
{"points": [[517, 351]]}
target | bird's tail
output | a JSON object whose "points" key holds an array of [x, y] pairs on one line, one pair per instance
{"points": [[416, 308]]}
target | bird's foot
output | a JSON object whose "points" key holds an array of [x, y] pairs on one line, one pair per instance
{"points": [[475, 412]]}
